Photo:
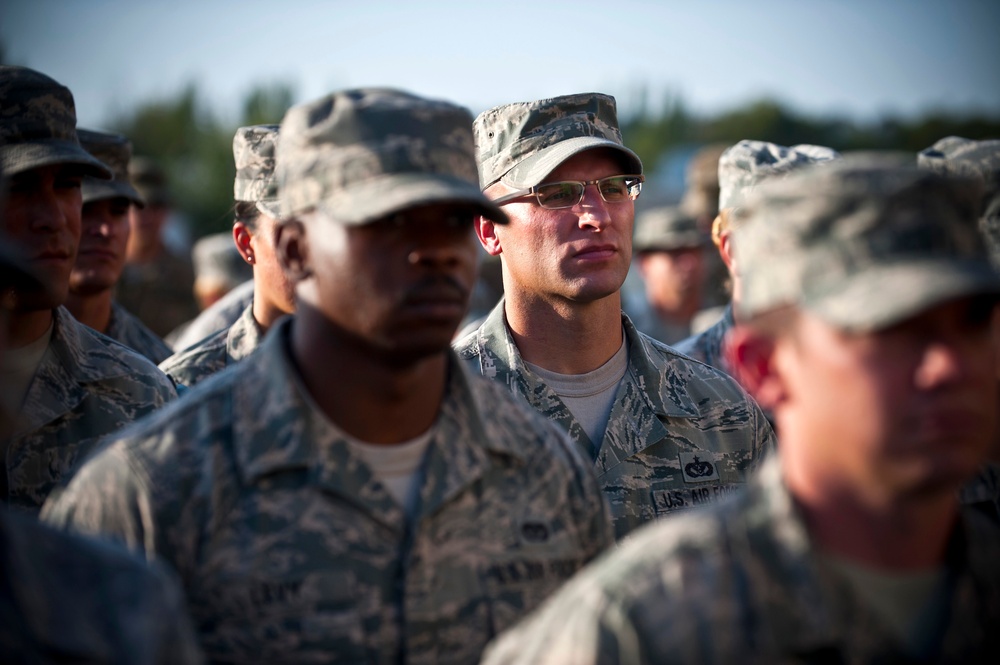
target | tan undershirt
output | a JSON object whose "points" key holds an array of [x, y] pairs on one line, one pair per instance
{"points": [[398, 466], [17, 369]]}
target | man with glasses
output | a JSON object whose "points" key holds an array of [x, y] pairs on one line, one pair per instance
{"points": [[665, 433]]}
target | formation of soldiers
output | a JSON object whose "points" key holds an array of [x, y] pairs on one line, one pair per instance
{"points": [[330, 474]]}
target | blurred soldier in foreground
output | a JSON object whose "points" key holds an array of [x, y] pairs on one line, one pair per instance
{"points": [[864, 328], [254, 232], [981, 160], [67, 384], [352, 494], [101, 255], [664, 433], [742, 168], [669, 251], [66, 598], [156, 284]]}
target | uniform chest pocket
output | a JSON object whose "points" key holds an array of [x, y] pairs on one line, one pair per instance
{"points": [[293, 619]]}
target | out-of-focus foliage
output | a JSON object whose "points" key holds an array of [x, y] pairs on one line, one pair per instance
{"points": [[196, 148]]}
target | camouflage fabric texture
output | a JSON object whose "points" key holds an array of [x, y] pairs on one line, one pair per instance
{"points": [[361, 155], [521, 143], [707, 346], [701, 198], [115, 151], [131, 332], [974, 159], [862, 242], [219, 316], [253, 152], [667, 228], [38, 124], [680, 433], [160, 293], [66, 598], [290, 550], [741, 583], [87, 386], [743, 166], [216, 352]]}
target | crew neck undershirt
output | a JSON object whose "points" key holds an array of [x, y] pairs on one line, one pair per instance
{"points": [[17, 369], [589, 396], [398, 466]]}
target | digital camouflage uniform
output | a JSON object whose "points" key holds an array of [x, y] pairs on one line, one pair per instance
{"points": [[680, 434], [215, 353], [223, 313], [86, 387], [741, 583], [66, 598], [130, 331], [707, 346], [290, 550]]}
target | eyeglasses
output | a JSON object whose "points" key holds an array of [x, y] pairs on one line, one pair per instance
{"points": [[566, 194]]}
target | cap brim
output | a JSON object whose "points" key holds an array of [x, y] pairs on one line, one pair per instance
{"points": [[379, 197], [98, 190], [903, 291], [534, 168], [19, 157]]}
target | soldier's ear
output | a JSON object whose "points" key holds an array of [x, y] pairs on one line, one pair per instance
{"points": [[486, 231], [751, 355], [293, 250], [242, 237]]}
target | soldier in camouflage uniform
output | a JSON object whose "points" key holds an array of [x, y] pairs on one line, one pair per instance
{"points": [[669, 253], [101, 255], [219, 316], [257, 215], [68, 384], [157, 285], [296, 540], [864, 326], [741, 168], [665, 433], [980, 160]]}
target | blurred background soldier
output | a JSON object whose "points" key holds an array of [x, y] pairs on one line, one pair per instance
{"points": [[865, 328], [254, 233], [217, 316], [218, 268], [67, 384], [701, 201], [352, 494], [156, 284], [741, 168], [669, 250], [101, 256], [664, 433]]}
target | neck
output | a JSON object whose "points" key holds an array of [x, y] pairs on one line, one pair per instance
{"points": [[563, 336], [26, 327], [898, 533], [265, 312], [91, 310], [383, 402]]}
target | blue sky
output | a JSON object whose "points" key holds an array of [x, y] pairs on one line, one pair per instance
{"points": [[860, 58]]}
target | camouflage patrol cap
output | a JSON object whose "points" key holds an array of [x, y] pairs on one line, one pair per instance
{"points": [[701, 198], [253, 152], [667, 228], [38, 124], [360, 155], [864, 242], [743, 166], [522, 143], [150, 180], [114, 150]]}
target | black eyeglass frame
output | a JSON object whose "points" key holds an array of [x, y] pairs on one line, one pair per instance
{"points": [[521, 193]]}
